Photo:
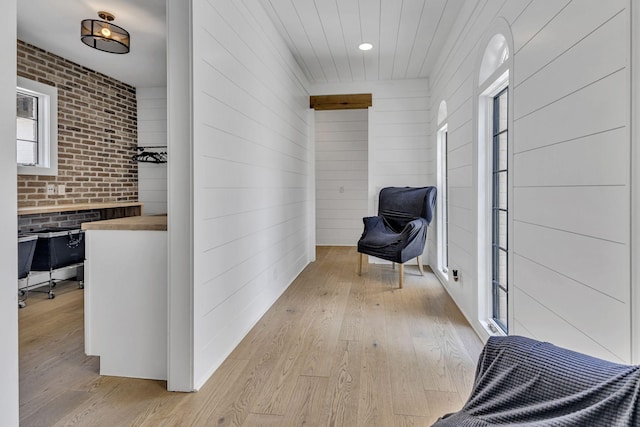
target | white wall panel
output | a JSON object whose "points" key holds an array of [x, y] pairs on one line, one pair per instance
{"points": [[596, 108], [239, 200], [392, 130], [552, 83], [338, 175], [512, 9], [599, 264], [9, 393], [568, 27], [600, 212], [405, 116], [414, 103], [251, 151], [462, 238], [612, 331], [533, 18], [342, 151], [152, 131], [459, 60], [462, 217], [570, 168], [541, 323], [460, 93], [593, 160], [461, 197], [461, 135], [349, 202], [460, 156], [460, 177]]}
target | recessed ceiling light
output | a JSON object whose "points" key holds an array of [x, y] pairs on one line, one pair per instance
{"points": [[365, 46]]}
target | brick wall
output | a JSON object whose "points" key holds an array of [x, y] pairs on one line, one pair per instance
{"points": [[97, 133]]}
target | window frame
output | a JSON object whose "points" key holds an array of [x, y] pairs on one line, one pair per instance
{"points": [[493, 75], [496, 208], [499, 80], [443, 204], [47, 127]]}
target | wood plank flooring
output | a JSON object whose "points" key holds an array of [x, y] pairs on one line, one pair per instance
{"points": [[337, 349]]}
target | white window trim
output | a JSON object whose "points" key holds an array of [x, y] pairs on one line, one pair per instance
{"points": [[493, 81], [442, 236], [47, 127], [485, 117], [485, 123]]}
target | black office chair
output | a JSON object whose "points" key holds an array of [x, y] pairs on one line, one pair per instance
{"points": [[399, 232], [26, 249]]}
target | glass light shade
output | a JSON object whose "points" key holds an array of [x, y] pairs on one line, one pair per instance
{"points": [[105, 36]]}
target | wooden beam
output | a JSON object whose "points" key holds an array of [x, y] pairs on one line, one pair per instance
{"points": [[341, 102]]}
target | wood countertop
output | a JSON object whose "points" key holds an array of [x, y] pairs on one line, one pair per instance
{"points": [[151, 222], [75, 207]]}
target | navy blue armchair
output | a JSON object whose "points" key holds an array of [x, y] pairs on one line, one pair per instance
{"points": [[399, 232]]}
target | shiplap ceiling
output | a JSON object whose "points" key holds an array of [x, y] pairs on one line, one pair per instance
{"points": [[323, 35]]}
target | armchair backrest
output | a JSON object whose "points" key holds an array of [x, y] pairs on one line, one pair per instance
{"points": [[400, 205]]}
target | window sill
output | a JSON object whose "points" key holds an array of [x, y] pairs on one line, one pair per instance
{"points": [[35, 170]]}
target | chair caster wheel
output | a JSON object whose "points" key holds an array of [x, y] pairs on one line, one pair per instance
{"points": [[52, 295], [21, 292], [22, 304]]}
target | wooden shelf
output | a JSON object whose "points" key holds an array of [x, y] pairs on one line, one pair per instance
{"points": [[152, 222], [31, 210]]}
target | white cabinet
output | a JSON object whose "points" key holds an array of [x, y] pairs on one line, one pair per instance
{"points": [[126, 301]]}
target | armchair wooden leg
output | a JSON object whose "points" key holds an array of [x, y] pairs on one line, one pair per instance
{"points": [[393, 265], [360, 264], [420, 267], [401, 274]]}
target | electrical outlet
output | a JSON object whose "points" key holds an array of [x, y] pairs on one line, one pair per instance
{"points": [[51, 189], [61, 189]]}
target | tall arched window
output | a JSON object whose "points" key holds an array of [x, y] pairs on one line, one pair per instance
{"points": [[494, 179], [443, 192]]}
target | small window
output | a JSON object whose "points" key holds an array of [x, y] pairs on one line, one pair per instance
{"points": [[443, 202], [500, 211], [442, 180], [495, 181], [36, 128]]}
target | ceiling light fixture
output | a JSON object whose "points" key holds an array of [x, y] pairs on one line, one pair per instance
{"points": [[365, 46], [103, 35]]}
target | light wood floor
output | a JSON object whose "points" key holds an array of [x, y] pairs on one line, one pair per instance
{"points": [[335, 350]]}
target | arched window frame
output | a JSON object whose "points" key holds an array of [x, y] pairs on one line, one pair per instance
{"points": [[494, 73]]}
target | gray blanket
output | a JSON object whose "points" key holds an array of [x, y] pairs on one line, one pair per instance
{"points": [[523, 382]]}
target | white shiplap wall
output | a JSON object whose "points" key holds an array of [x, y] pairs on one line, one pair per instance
{"points": [[571, 188], [152, 131], [9, 393], [251, 147], [342, 146], [399, 125]]}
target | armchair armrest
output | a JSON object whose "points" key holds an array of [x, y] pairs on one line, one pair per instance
{"points": [[373, 223], [412, 228]]}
